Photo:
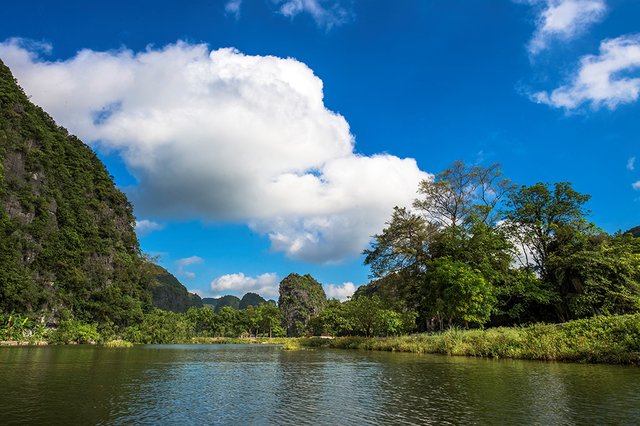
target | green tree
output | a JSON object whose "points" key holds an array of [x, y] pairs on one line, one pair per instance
{"points": [[457, 293], [403, 245], [600, 279], [461, 191], [228, 322], [545, 220], [364, 315], [549, 224], [333, 320], [204, 321], [270, 320]]}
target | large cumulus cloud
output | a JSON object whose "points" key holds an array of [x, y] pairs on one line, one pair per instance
{"points": [[221, 135]]}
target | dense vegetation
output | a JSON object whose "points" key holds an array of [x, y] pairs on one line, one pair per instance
{"points": [[68, 248], [168, 293], [67, 242], [156, 326], [477, 250], [301, 299], [251, 299], [610, 339]]}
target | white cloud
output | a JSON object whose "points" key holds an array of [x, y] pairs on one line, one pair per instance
{"points": [[636, 185], [564, 20], [185, 262], [631, 163], [232, 7], [225, 136], [198, 292], [340, 292], [326, 13], [188, 261], [604, 79], [266, 285], [145, 227]]}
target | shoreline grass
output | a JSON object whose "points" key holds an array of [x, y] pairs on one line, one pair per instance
{"points": [[601, 339], [118, 343], [240, 340], [611, 339]]}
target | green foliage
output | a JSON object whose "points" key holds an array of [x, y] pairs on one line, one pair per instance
{"points": [[167, 292], [270, 320], [603, 279], [402, 246], [75, 331], [547, 220], [66, 233], [301, 299], [458, 293], [363, 316], [610, 339], [160, 326], [523, 298], [118, 343], [453, 259], [227, 301], [251, 299]]}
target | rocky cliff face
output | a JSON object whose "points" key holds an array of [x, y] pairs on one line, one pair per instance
{"points": [[301, 299], [67, 239]]}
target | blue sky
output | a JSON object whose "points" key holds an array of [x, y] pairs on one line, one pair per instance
{"points": [[258, 138]]}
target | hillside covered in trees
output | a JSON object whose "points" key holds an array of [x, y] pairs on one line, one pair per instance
{"points": [[67, 240]]}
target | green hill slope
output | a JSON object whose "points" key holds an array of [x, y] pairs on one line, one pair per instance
{"points": [[169, 294], [67, 239]]}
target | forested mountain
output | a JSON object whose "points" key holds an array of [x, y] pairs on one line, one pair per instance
{"points": [[67, 239], [168, 293], [301, 299], [635, 231], [251, 299], [229, 300]]}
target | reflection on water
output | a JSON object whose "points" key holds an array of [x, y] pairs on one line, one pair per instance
{"points": [[236, 384]]}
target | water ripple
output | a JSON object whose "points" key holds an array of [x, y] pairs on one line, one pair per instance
{"points": [[262, 385]]}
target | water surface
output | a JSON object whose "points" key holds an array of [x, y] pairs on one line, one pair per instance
{"points": [[257, 384]]}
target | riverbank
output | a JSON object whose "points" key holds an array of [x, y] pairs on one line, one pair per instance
{"points": [[612, 339], [603, 339]]}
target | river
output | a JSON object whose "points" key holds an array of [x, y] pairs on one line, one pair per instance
{"points": [[258, 384]]}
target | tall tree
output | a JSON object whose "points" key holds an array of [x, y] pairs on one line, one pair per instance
{"points": [[402, 246], [545, 219], [457, 293], [461, 191]]}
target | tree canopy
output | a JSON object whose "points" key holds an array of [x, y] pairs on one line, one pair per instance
{"points": [[477, 249]]}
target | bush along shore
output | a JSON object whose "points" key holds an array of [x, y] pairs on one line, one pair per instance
{"points": [[602, 339]]}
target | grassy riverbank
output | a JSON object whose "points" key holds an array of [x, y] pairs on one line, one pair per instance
{"points": [[613, 339], [603, 339], [241, 340]]}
